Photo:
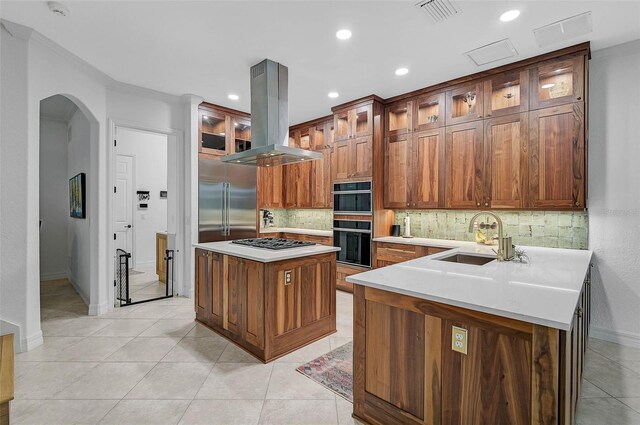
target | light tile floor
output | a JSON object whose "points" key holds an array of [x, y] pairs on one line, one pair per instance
{"points": [[151, 364], [144, 284]]}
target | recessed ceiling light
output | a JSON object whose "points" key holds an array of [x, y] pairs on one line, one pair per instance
{"points": [[233, 97], [547, 86], [509, 15], [402, 71], [343, 34], [333, 94]]}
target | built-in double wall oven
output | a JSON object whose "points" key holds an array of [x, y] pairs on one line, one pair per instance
{"points": [[352, 209], [352, 198]]}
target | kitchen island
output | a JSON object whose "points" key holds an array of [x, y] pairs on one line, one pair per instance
{"points": [[269, 302], [459, 338]]}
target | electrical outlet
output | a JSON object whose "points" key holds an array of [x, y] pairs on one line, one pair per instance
{"points": [[287, 277], [459, 339]]}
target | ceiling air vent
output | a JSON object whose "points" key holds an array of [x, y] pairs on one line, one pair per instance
{"points": [[564, 30], [493, 52], [439, 10]]}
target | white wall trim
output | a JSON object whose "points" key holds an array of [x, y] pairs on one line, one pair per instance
{"points": [[628, 339], [54, 275], [98, 309], [32, 341], [76, 287]]}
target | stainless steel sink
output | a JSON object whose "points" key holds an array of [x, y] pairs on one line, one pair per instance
{"points": [[476, 260]]}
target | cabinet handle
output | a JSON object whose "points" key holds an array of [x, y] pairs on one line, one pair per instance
{"points": [[478, 204], [479, 116], [577, 203], [488, 115], [579, 311], [579, 98], [486, 204]]}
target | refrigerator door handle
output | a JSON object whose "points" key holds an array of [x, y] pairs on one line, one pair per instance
{"points": [[227, 193], [224, 209]]}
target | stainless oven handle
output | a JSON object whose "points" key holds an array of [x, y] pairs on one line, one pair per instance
{"points": [[338, 229], [350, 192], [353, 213]]}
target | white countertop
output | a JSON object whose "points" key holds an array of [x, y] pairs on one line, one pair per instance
{"points": [[313, 232], [544, 291], [264, 255]]}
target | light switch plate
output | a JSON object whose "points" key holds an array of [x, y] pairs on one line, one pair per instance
{"points": [[459, 339]]}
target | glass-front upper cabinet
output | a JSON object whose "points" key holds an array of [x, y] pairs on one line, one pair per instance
{"points": [[429, 111], [213, 137], [399, 118], [305, 139], [318, 141], [341, 124], [465, 103], [506, 94], [363, 121], [242, 134], [557, 82]]}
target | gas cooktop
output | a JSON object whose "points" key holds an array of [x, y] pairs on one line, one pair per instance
{"points": [[272, 243]]}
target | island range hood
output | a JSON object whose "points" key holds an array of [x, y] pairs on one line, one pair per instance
{"points": [[270, 120]]}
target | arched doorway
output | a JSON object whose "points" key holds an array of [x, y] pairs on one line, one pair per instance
{"points": [[67, 186]]}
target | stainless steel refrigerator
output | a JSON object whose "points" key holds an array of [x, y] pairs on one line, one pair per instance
{"points": [[226, 201]]}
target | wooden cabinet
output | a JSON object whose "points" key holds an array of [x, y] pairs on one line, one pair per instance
{"points": [[222, 131], [465, 103], [557, 157], [343, 271], [352, 159], [399, 118], [505, 173], [161, 250], [506, 93], [414, 170], [270, 309], [513, 372], [322, 240], [557, 82], [429, 112], [270, 182], [321, 141], [386, 254], [464, 157], [354, 122], [209, 287]]}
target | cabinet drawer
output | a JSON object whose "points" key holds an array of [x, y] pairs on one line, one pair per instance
{"points": [[322, 240], [390, 251]]}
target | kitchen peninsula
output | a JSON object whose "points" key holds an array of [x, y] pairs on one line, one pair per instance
{"points": [[459, 338], [268, 301]]}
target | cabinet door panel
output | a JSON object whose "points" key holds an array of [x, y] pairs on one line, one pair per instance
{"points": [[302, 185], [557, 82], [291, 175], [270, 181], [464, 157], [361, 162], [315, 292], [253, 305], [288, 299], [429, 112], [465, 104], [506, 94], [399, 118], [321, 181], [395, 357], [233, 306], [362, 121], [427, 170], [557, 159], [340, 168], [216, 282], [202, 296], [506, 162], [397, 172]]}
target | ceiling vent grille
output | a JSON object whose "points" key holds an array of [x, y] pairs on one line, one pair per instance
{"points": [[439, 10], [493, 52], [564, 30]]}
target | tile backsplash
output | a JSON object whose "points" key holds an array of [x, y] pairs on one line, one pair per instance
{"points": [[557, 229], [303, 219], [534, 228]]}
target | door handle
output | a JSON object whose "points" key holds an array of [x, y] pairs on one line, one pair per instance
{"points": [[128, 226]]}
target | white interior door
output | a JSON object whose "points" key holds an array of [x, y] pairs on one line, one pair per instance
{"points": [[123, 205]]}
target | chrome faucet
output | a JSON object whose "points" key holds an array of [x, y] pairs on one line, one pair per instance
{"points": [[505, 249]]}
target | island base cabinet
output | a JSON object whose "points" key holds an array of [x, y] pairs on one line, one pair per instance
{"points": [[269, 309], [406, 371]]}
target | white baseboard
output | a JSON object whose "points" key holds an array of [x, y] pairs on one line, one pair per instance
{"points": [[54, 276], [78, 290], [98, 309], [619, 337], [32, 341]]}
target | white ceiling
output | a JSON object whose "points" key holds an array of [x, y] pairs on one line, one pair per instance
{"points": [[207, 47]]}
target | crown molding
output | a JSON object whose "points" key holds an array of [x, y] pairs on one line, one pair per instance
{"points": [[130, 89]]}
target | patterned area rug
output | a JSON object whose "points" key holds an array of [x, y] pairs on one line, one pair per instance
{"points": [[333, 370]]}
